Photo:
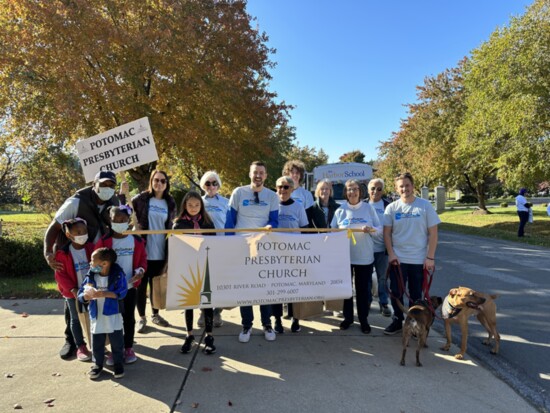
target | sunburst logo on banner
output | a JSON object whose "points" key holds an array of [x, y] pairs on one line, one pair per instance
{"points": [[196, 288]]}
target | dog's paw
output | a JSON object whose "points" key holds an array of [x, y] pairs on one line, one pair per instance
{"points": [[446, 347], [418, 364], [493, 351], [402, 362], [459, 356], [486, 342]]}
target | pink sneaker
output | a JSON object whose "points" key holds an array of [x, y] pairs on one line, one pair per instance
{"points": [[82, 353], [129, 356]]}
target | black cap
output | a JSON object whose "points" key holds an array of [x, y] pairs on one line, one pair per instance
{"points": [[103, 176]]}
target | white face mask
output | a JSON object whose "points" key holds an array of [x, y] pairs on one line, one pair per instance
{"points": [[119, 228], [104, 192], [80, 239]]}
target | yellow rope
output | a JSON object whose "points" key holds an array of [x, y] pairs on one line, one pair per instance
{"points": [[209, 231]]}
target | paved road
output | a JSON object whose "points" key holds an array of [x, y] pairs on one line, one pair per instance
{"points": [[521, 275]]}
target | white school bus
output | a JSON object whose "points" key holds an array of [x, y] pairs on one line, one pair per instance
{"points": [[338, 174]]}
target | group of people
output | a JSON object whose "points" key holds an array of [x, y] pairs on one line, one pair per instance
{"points": [[100, 267]]}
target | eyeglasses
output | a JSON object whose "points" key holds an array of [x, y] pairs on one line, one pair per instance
{"points": [[352, 189], [211, 183], [162, 180], [256, 198], [374, 188], [283, 187]]}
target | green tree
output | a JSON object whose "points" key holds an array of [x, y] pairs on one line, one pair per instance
{"points": [[198, 69], [353, 156]]}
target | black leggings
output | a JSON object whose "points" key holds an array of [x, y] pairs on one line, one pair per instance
{"points": [[154, 269], [208, 319], [129, 318]]}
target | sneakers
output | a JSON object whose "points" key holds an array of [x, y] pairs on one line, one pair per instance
{"points": [[244, 336], [344, 325], [395, 327], [94, 372], [187, 344], [83, 354], [218, 322], [129, 356], [109, 361], [269, 334], [67, 351], [200, 322], [365, 328], [159, 321], [385, 310], [119, 371], [279, 326], [142, 322], [209, 347], [295, 327]]}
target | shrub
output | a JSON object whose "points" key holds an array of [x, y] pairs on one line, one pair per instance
{"points": [[504, 204], [468, 199], [21, 253]]}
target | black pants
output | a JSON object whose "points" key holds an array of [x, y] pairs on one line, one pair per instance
{"points": [[117, 347], [208, 319], [523, 218], [68, 333], [154, 269], [129, 317], [363, 285], [413, 277]]}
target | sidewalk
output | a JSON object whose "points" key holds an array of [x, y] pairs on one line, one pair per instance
{"points": [[319, 369]]}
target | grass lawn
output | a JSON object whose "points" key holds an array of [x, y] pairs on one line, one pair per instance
{"points": [[502, 223]]}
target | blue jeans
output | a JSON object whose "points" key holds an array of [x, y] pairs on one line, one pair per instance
{"points": [[117, 347], [381, 266], [413, 275], [247, 316], [76, 328]]}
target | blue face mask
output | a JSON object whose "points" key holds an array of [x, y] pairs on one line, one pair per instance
{"points": [[97, 269]]}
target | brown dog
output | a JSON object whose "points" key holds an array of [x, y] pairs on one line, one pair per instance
{"points": [[420, 318], [459, 305]]}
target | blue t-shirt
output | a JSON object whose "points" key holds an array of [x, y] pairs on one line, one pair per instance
{"points": [[156, 243]]}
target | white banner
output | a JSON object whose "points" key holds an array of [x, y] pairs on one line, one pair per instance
{"points": [[262, 268], [118, 149]]}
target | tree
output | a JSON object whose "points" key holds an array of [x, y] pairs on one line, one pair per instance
{"points": [[353, 156], [197, 69], [9, 158]]}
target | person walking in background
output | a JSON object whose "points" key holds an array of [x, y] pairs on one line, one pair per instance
{"points": [[132, 258], [523, 211], [155, 209], [254, 206], [379, 203], [90, 204], [217, 207], [194, 216], [357, 214], [410, 235]]}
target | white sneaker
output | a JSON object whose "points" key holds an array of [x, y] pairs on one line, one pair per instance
{"points": [[200, 321], [269, 334], [218, 322], [142, 322], [244, 336]]}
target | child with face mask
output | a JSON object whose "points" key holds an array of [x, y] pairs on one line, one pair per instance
{"points": [[132, 258], [75, 260], [102, 289]]}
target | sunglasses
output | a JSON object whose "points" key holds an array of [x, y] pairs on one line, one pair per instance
{"points": [[213, 183], [376, 189], [283, 187], [162, 180], [256, 198]]}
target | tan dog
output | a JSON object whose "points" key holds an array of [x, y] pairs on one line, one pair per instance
{"points": [[418, 322], [459, 305]]}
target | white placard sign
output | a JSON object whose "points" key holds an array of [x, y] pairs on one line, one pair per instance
{"points": [[261, 268], [118, 149]]}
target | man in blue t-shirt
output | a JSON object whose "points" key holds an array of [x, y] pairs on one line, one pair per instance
{"points": [[254, 206]]}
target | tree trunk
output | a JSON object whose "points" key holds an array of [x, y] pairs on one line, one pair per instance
{"points": [[480, 193], [141, 175]]}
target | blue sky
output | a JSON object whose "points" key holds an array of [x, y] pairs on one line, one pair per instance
{"points": [[349, 66]]}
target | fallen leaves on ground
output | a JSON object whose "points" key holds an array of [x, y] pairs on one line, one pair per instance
{"points": [[194, 405], [24, 315], [206, 369]]}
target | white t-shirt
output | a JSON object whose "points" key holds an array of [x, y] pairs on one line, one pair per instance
{"points": [[292, 216], [69, 210], [81, 263], [217, 207], [249, 213], [124, 248], [302, 196], [378, 239], [520, 203], [156, 243], [357, 216], [410, 223], [104, 324]]}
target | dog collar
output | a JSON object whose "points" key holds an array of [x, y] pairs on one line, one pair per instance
{"points": [[448, 311]]}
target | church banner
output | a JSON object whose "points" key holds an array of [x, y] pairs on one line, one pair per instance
{"points": [[118, 149], [258, 268]]}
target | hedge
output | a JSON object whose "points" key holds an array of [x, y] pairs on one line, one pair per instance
{"points": [[21, 253]]}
